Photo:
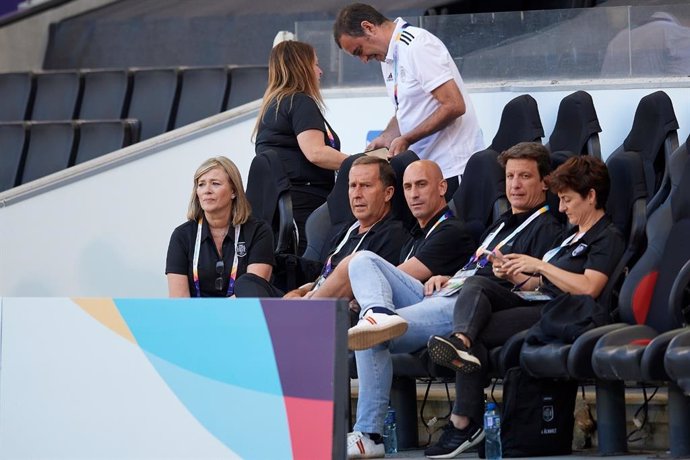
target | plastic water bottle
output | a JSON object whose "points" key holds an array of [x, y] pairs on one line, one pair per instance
{"points": [[390, 437], [492, 433]]}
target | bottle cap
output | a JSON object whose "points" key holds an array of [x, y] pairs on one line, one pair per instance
{"points": [[491, 406]]}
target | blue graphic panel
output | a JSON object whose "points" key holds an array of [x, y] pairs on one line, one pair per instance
{"points": [[251, 424], [222, 339]]}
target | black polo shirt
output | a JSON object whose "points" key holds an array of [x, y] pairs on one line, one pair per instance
{"points": [[255, 235], [542, 234], [385, 239], [278, 132], [445, 250], [599, 249]]}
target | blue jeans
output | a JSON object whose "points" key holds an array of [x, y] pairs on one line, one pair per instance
{"points": [[377, 283]]}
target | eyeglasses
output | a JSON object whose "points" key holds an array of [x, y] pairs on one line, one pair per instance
{"points": [[220, 268]]}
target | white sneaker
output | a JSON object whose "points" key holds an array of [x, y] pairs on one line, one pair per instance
{"points": [[360, 445], [375, 328]]}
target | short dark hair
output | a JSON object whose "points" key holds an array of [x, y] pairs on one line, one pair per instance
{"points": [[528, 151], [581, 174], [349, 20], [386, 172]]}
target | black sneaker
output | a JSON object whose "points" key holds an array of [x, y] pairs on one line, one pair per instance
{"points": [[453, 442], [453, 354]]}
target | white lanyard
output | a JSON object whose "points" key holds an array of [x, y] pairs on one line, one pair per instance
{"points": [[195, 261]]}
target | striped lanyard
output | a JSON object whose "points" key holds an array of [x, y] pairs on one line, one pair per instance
{"points": [[329, 134], [195, 262], [551, 253], [395, 64], [447, 215], [328, 266], [479, 253]]}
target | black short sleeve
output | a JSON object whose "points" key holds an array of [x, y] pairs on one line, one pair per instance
{"points": [[177, 260], [261, 250], [447, 248]]}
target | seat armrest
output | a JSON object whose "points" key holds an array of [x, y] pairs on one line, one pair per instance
{"points": [[580, 356]]}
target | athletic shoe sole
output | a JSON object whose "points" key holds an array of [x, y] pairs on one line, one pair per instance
{"points": [[473, 441], [364, 337], [444, 353]]}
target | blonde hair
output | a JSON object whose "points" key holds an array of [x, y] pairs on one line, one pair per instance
{"points": [[290, 71], [241, 209]]}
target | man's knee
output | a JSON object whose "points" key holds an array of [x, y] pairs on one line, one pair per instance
{"points": [[360, 260]]}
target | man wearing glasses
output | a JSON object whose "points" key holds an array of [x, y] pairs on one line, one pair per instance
{"points": [[528, 228]]}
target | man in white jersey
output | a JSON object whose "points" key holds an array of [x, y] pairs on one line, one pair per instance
{"points": [[434, 116]]}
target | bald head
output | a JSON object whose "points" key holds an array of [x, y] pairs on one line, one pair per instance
{"points": [[425, 189]]}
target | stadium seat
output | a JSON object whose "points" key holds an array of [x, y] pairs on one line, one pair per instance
{"points": [[636, 352], [520, 122], [57, 95], [203, 92], [50, 149], [12, 137], [653, 136], [98, 137], [15, 94], [268, 191], [105, 94], [481, 197], [577, 129], [247, 83], [677, 356], [398, 204], [154, 100]]}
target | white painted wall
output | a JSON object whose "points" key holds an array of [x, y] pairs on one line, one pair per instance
{"points": [[105, 231]]}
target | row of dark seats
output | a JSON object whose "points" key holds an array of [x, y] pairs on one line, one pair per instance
{"points": [[642, 180], [34, 149], [156, 99]]}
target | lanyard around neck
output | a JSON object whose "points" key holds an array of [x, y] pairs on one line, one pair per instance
{"points": [[551, 253], [395, 64], [489, 239], [447, 215], [329, 134], [328, 266], [195, 262]]}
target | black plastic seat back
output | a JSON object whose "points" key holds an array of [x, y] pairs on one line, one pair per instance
{"points": [[337, 200], [12, 137], [15, 94], [520, 122], [653, 135], [154, 100], [50, 149], [203, 92], [399, 206], [318, 229], [627, 206], [268, 191], [577, 127], [247, 83], [645, 293], [57, 95], [105, 94], [481, 197], [98, 137]]}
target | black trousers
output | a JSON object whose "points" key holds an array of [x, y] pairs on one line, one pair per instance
{"points": [[251, 285], [489, 314]]}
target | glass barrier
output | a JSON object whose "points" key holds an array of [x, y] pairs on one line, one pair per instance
{"points": [[587, 43]]}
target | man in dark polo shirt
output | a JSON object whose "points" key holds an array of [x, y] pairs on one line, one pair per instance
{"points": [[527, 228], [371, 184]]}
